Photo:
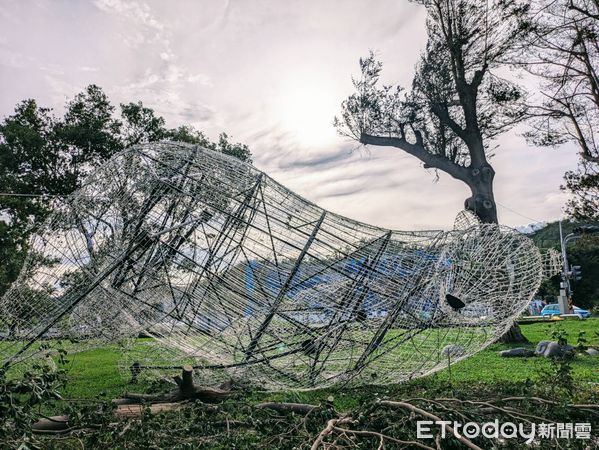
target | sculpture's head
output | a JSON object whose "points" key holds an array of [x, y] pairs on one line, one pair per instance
{"points": [[488, 275]]}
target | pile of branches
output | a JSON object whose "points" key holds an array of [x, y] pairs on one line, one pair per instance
{"points": [[225, 416], [379, 424], [392, 423], [221, 417]]}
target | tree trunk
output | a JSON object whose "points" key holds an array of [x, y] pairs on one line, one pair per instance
{"points": [[482, 201]]}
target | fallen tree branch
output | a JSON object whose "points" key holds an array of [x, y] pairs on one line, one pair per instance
{"points": [[492, 407], [467, 442], [550, 402], [382, 437], [135, 411], [331, 424], [52, 424], [186, 390], [61, 424], [300, 408]]}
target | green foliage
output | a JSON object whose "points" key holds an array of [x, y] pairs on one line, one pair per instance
{"points": [[548, 236], [141, 125], [238, 423], [13, 247], [87, 135], [583, 184], [582, 341], [29, 163], [584, 253], [44, 158], [559, 335], [21, 401], [558, 378]]}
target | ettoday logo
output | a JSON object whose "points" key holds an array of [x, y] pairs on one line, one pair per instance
{"points": [[506, 430]]}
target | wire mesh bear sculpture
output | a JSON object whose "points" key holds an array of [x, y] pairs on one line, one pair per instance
{"points": [[227, 270]]}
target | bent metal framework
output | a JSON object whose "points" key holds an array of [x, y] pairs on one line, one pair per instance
{"points": [[228, 270]]}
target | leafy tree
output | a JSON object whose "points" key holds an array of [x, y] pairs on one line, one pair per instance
{"points": [[583, 184], [87, 135], [141, 125], [457, 103], [29, 162], [239, 151], [562, 51], [190, 135], [44, 158], [586, 254]]}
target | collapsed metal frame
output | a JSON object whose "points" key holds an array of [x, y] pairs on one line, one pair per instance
{"points": [[230, 270]]}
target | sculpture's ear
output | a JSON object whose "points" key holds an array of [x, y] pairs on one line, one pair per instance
{"points": [[552, 262], [465, 219]]}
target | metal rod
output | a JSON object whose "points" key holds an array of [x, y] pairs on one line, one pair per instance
{"points": [[250, 350]]}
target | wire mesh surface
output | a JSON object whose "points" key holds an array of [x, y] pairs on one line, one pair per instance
{"points": [[228, 270]]}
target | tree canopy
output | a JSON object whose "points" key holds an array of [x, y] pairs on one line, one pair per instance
{"points": [[457, 103], [44, 158], [562, 51]]}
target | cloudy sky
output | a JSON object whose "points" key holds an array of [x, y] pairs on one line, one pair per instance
{"points": [[271, 74]]}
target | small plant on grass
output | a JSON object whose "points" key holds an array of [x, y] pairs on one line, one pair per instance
{"points": [[22, 401], [582, 341], [558, 377], [559, 334]]}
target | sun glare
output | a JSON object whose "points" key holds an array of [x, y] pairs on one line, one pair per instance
{"points": [[305, 108]]}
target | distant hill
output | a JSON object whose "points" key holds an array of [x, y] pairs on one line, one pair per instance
{"points": [[548, 236]]}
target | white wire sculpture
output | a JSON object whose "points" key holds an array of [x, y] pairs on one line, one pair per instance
{"points": [[227, 270]]}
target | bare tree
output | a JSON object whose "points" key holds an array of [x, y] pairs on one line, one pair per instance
{"points": [[563, 52], [458, 102]]}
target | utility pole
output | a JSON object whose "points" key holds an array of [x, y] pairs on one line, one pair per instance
{"points": [[570, 272], [564, 285]]}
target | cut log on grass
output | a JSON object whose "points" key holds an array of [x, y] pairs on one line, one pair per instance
{"points": [[61, 424], [51, 424], [300, 408], [135, 411], [186, 390], [514, 336]]}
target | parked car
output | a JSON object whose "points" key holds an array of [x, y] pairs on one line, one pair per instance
{"points": [[553, 310]]}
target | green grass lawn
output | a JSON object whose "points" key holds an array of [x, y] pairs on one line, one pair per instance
{"points": [[95, 372], [487, 366]]}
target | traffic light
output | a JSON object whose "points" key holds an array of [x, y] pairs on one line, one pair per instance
{"points": [[576, 273]]}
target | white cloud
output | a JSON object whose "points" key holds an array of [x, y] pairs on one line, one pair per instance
{"points": [[271, 74], [10, 58], [134, 11]]}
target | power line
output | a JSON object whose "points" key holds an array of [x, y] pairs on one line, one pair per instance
{"points": [[517, 213]]}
